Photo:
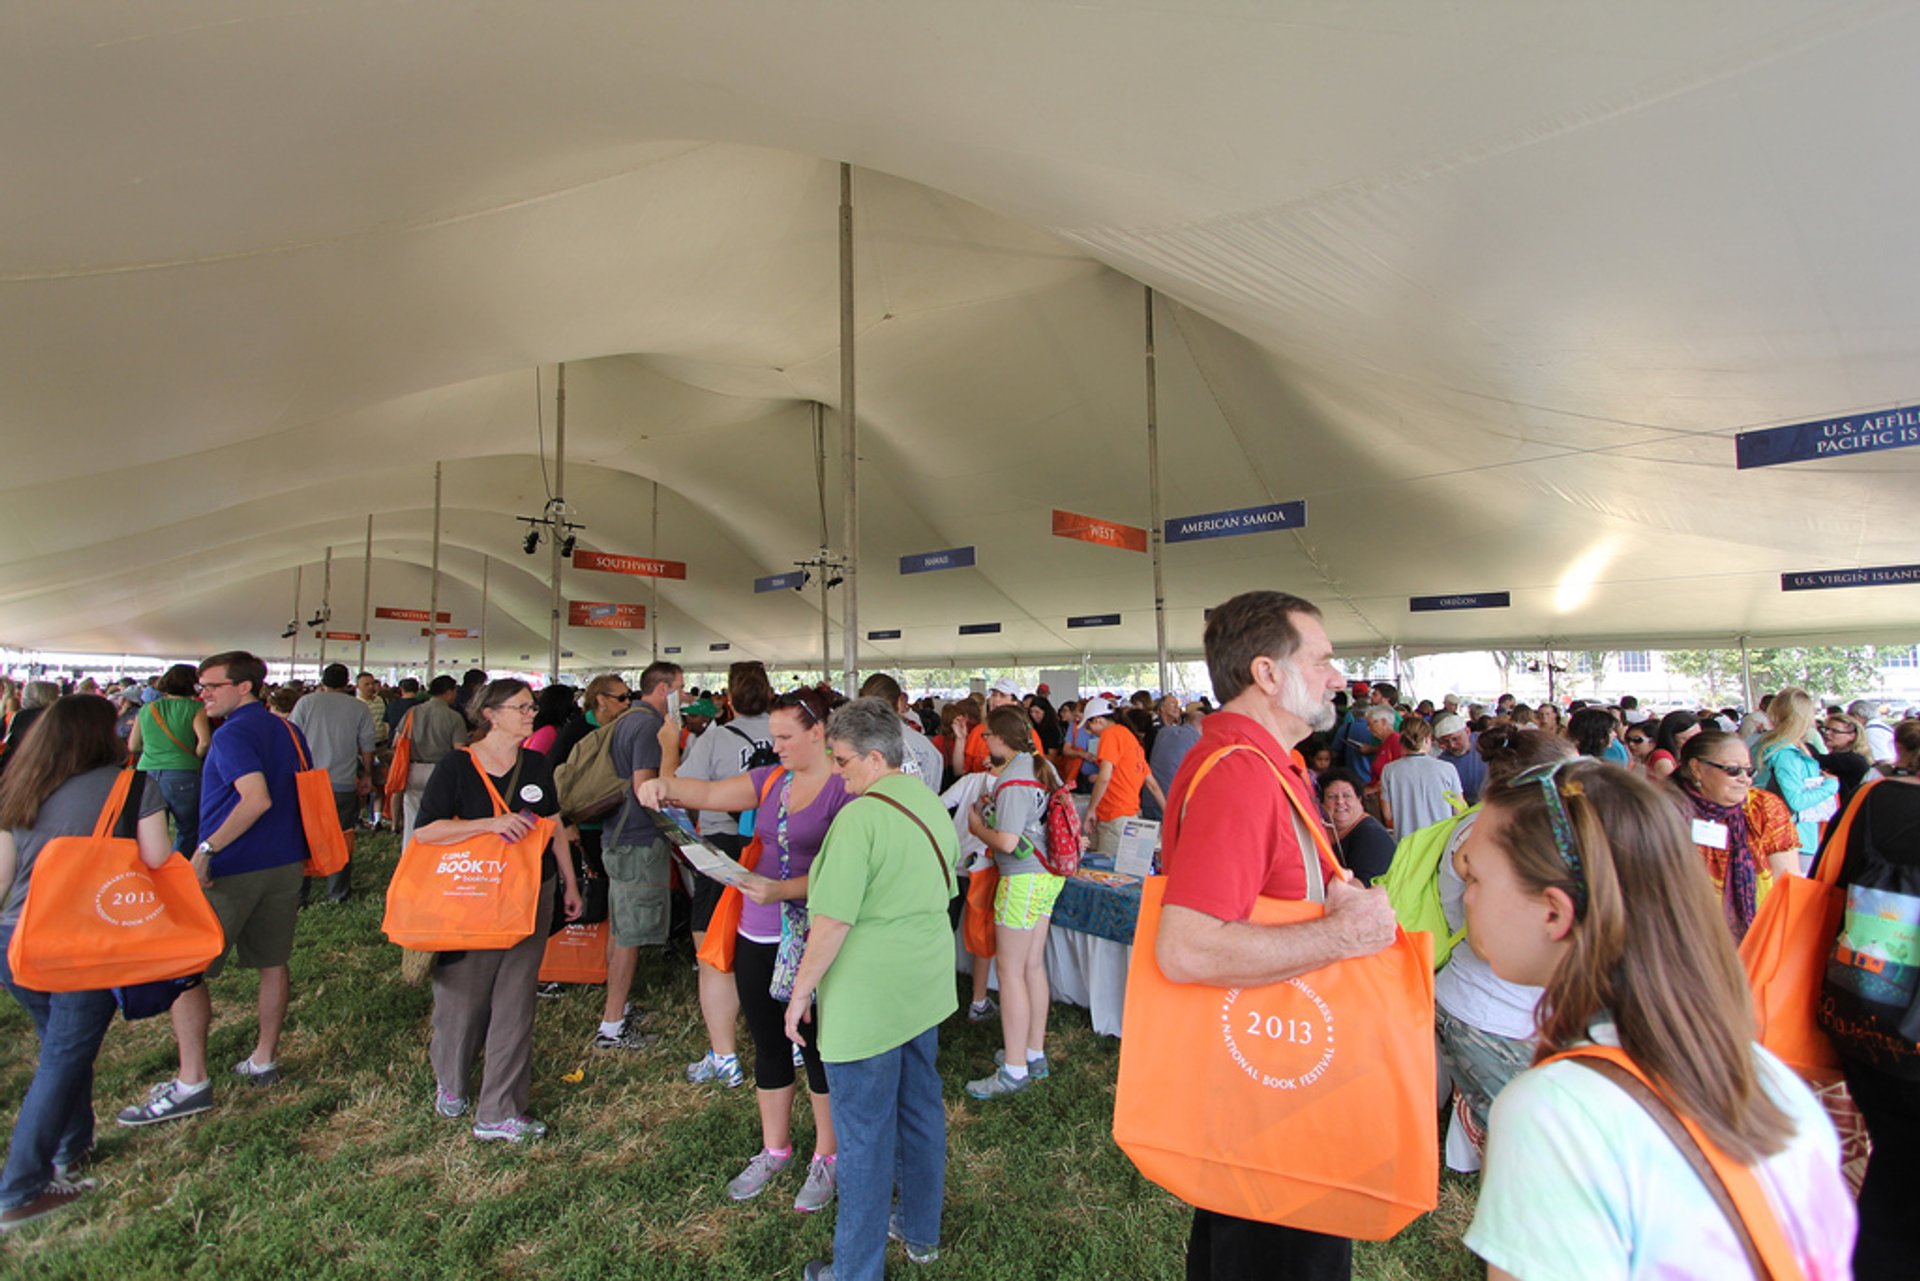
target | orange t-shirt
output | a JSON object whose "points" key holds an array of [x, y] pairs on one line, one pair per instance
{"points": [[1119, 747], [974, 755]]}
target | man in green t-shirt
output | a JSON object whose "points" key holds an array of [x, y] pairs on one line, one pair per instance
{"points": [[880, 954]]}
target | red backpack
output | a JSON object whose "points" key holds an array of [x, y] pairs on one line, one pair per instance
{"points": [[1062, 853]]}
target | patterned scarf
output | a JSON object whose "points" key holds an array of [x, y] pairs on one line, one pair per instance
{"points": [[1739, 893]]}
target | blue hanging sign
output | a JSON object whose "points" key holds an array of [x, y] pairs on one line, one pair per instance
{"points": [[1817, 580], [719, 646], [1828, 438], [671, 649], [1241, 520], [889, 635], [780, 582], [618, 653], [1094, 620], [979, 629], [1460, 600], [924, 562]]}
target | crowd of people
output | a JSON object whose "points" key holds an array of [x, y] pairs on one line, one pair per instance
{"points": [[1594, 868]]}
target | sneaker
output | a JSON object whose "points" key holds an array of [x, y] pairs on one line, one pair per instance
{"points": [[69, 1171], [627, 1038], [253, 1074], [1038, 1069], [819, 1188], [753, 1180], [168, 1101], [712, 1067], [57, 1195], [549, 991], [999, 1085], [447, 1103], [984, 1010], [915, 1253], [514, 1129], [817, 1270]]}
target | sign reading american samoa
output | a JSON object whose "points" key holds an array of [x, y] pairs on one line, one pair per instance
{"points": [[1281, 1036]]}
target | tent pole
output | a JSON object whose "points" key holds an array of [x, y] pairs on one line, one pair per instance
{"points": [[556, 518], [433, 602], [293, 651], [850, 518], [826, 539], [326, 602], [366, 594], [1156, 539], [486, 566], [653, 549], [1746, 675]]}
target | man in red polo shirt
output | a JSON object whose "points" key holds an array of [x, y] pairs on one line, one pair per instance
{"points": [[1234, 840]]}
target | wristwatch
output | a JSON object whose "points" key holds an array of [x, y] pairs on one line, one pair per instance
{"points": [[204, 848]]}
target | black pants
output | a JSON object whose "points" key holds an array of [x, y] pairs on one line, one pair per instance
{"points": [[1223, 1248], [1889, 1237], [767, 1021]]}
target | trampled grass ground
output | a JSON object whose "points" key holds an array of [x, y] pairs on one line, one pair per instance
{"points": [[343, 1170]]}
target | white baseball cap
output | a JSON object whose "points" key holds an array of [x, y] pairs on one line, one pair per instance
{"points": [[1005, 686], [1096, 707], [1447, 724]]}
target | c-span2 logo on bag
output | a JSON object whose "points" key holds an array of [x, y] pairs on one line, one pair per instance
{"points": [[128, 899], [1284, 1044]]}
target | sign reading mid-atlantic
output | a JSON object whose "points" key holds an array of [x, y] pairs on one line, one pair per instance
{"points": [[1828, 438]]}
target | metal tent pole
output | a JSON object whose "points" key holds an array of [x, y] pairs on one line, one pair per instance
{"points": [[293, 650], [826, 537], [653, 549], [486, 568], [1746, 675], [850, 520], [433, 600], [326, 603], [556, 525], [366, 595], [1155, 533]]}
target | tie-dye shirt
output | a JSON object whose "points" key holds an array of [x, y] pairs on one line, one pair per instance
{"points": [[1581, 1184]]}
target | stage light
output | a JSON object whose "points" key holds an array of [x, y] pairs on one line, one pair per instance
{"points": [[532, 541]]}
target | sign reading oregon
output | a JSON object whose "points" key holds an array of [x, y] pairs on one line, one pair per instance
{"points": [[128, 899], [1280, 1036]]}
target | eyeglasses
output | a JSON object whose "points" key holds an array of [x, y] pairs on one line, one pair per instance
{"points": [[204, 686], [1731, 771], [626, 697], [521, 708], [1562, 823], [1838, 729], [1637, 739]]}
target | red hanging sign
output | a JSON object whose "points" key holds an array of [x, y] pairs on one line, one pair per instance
{"points": [[454, 633], [594, 613], [345, 636], [1107, 533], [640, 566], [410, 615]]}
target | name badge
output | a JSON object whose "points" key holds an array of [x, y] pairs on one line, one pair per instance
{"points": [[1713, 835]]}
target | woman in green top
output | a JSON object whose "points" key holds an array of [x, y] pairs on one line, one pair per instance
{"points": [[169, 740]]}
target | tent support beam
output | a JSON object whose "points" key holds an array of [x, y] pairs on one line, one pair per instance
{"points": [[433, 593], [557, 518], [826, 539], [849, 444], [653, 549], [326, 602], [293, 649], [366, 594], [1156, 539], [486, 567], [1746, 675]]}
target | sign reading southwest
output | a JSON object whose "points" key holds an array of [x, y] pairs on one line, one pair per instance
{"points": [[1828, 438], [639, 566], [1091, 529], [1461, 600], [1241, 520], [1816, 580], [925, 562]]}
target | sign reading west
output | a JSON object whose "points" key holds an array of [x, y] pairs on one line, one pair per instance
{"points": [[599, 613], [926, 562], [1828, 438], [1094, 620], [639, 566], [1241, 520], [1460, 600], [1107, 533], [779, 582], [1818, 580], [410, 615]]}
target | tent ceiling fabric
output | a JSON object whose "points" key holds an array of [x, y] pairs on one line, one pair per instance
{"points": [[1491, 286]]}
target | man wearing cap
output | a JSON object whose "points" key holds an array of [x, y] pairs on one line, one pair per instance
{"points": [[1122, 772], [970, 753], [1456, 749]]}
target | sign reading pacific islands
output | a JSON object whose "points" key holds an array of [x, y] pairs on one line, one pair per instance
{"points": [[1241, 520], [1828, 438], [640, 566]]}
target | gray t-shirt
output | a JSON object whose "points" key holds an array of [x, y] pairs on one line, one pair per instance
{"points": [[636, 746], [72, 810], [923, 758], [338, 727], [436, 730], [1017, 807], [722, 753], [1416, 790]]}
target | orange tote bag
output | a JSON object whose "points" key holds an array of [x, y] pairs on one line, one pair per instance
{"points": [[402, 761], [319, 816], [716, 949], [976, 919], [1307, 1103], [480, 894], [97, 917], [576, 954]]}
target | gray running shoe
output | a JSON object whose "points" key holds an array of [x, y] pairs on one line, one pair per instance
{"points": [[448, 1104], [819, 1188], [253, 1074], [712, 1067], [753, 1180], [628, 1037], [1039, 1069], [515, 1129], [982, 1012], [915, 1253], [168, 1101], [997, 1086]]}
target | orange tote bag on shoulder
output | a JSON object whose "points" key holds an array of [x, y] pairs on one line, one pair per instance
{"points": [[722, 927], [319, 817], [402, 762], [480, 894], [96, 916]]}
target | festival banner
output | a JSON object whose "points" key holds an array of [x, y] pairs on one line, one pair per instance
{"points": [[891, 634], [1094, 620], [598, 613], [1107, 533], [639, 566], [951, 558], [453, 633], [409, 615], [1818, 580], [1241, 520], [780, 582], [979, 629], [345, 636], [1460, 600], [1828, 438]]}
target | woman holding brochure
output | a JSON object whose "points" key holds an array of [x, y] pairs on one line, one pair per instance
{"points": [[795, 803]]}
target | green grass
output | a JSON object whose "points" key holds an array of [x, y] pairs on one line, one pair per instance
{"points": [[343, 1170]]}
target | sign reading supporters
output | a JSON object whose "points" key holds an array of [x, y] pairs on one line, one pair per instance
{"points": [[780, 582], [639, 566], [409, 615], [1241, 520], [1819, 580], [1094, 620], [979, 629], [926, 562], [596, 613], [887, 635], [1091, 529], [346, 636], [1460, 600], [1828, 438]]}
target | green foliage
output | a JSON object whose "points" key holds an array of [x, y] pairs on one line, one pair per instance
{"points": [[1834, 673]]}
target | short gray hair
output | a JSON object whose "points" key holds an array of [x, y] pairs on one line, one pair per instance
{"points": [[869, 725], [39, 694]]}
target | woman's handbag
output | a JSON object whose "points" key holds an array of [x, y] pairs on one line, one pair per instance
{"points": [[97, 917], [402, 762], [576, 954], [716, 949], [479, 894], [319, 816]]}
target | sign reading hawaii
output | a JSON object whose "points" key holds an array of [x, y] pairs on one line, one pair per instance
{"points": [[1829, 438], [927, 562], [1241, 520], [639, 566], [1107, 533], [1817, 580]]}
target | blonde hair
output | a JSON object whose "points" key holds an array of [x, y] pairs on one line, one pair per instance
{"points": [[1791, 714]]}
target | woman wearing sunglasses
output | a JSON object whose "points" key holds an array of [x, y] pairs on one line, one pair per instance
{"points": [[1674, 731], [1578, 880], [1746, 836]]}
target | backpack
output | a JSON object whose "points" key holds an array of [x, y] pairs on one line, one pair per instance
{"points": [[1870, 1002], [586, 782], [1062, 853], [1412, 884], [764, 757]]}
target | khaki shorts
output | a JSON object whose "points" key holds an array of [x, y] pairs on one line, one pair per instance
{"points": [[1106, 834], [639, 892], [257, 911]]}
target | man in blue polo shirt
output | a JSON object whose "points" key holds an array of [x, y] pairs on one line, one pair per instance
{"points": [[250, 860]]}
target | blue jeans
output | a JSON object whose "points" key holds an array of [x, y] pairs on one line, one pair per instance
{"points": [[56, 1116], [181, 788], [892, 1129]]}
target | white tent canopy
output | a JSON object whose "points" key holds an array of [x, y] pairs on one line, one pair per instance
{"points": [[1490, 286]]}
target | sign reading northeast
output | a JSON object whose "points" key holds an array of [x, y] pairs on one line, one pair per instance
{"points": [[779, 582], [1241, 520], [1828, 438], [409, 615], [925, 562], [640, 566], [893, 634], [1817, 580], [1091, 529], [1461, 600], [1094, 620], [456, 633], [979, 629], [599, 613]]}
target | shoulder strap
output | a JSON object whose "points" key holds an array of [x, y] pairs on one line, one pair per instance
{"points": [[299, 751], [406, 725], [931, 840], [116, 801], [161, 722], [126, 827], [773, 776], [741, 734], [1735, 1188], [1307, 832], [499, 806]]}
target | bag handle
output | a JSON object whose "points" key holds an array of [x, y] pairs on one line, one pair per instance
{"points": [[1833, 851], [298, 750], [1734, 1187], [925, 830], [162, 724], [1308, 834], [406, 726], [116, 801], [493, 793]]}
